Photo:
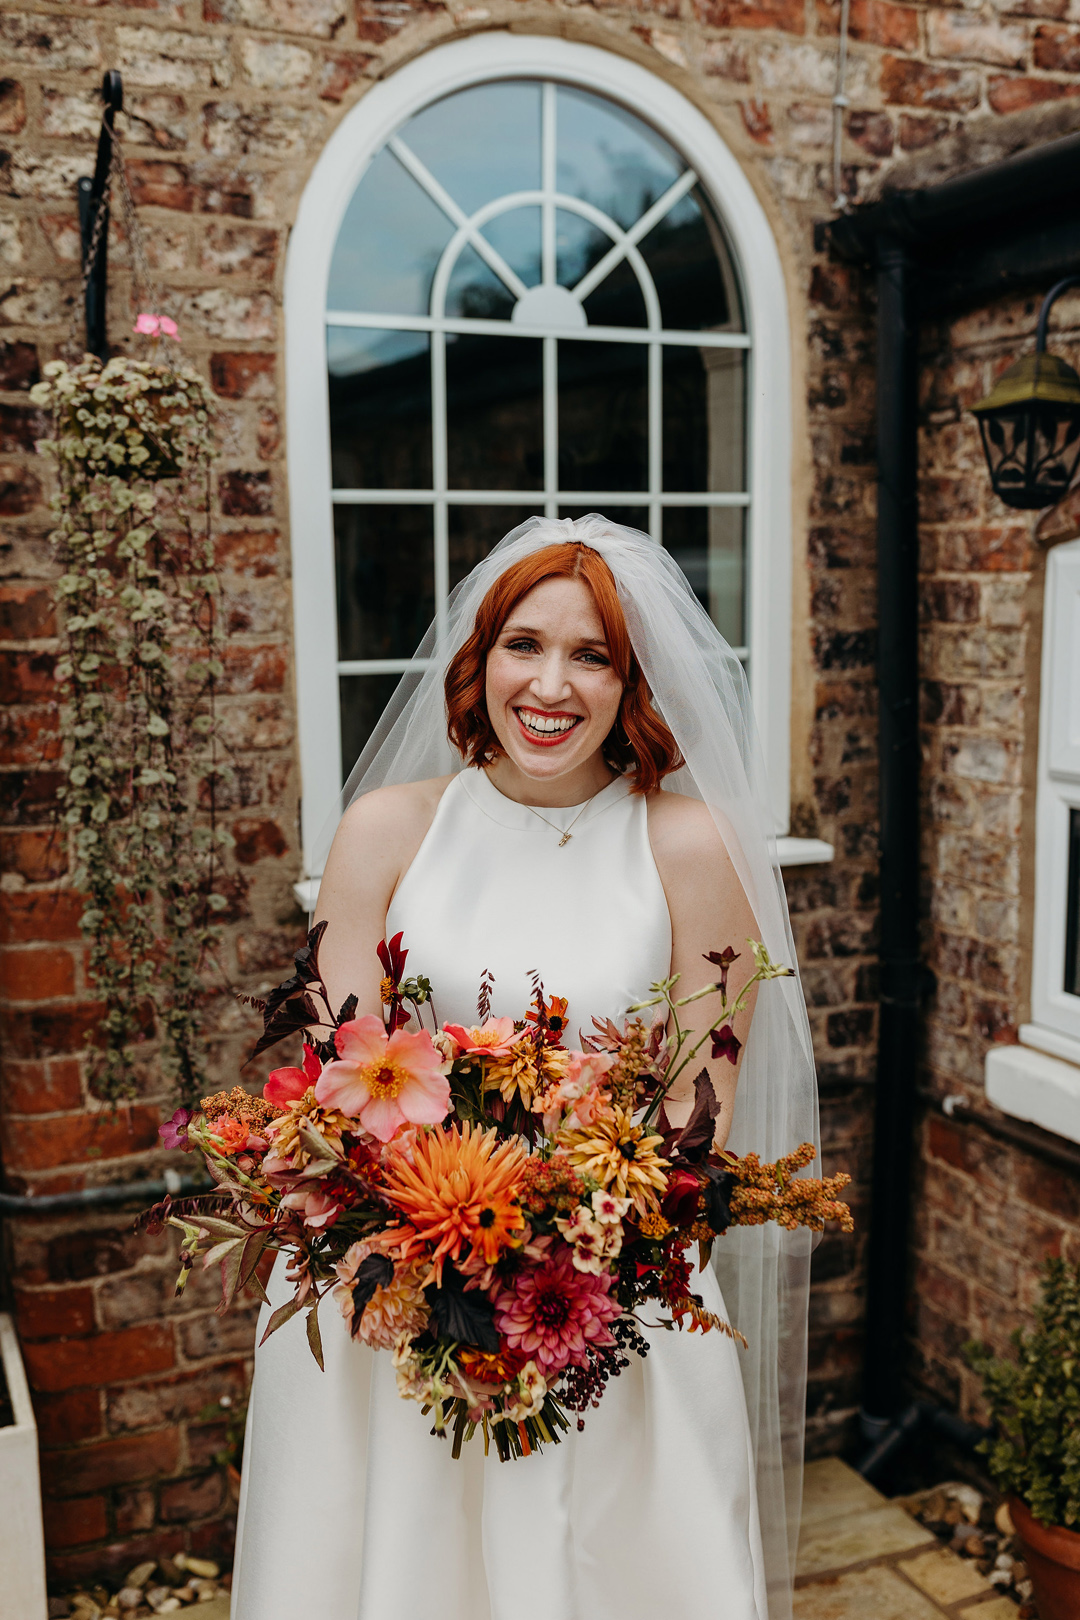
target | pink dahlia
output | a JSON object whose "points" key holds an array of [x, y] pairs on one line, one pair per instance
{"points": [[552, 1312]]}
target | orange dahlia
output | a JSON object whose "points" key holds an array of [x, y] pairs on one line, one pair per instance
{"points": [[460, 1189], [620, 1155]]}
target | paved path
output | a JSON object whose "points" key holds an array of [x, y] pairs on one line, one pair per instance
{"points": [[863, 1558]]}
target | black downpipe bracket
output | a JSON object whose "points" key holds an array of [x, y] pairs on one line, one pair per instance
{"points": [[92, 201], [901, 971]]}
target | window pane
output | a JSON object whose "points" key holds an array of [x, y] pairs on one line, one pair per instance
{"points": [[603, 416], [707, 543], [481, 143], [1072, 921], [690, 264], [474, 530], [608, 157], [617, 301], [703, 419], [632, 517], [388, 245], [494, 413], [363, 699], [385, 579], [475, 292], [380, 409]]}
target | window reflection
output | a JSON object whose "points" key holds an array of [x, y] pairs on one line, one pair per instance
{"points": [[363, 699], [475, 530], [481, 143], [703, 419], [603, 416], [385, 579], [610, 158], [707, 544], [494, 413], [689, 262], [380, 409], [388, 245]]}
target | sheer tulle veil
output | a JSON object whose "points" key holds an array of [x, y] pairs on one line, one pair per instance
{"points": [[700, 688]]}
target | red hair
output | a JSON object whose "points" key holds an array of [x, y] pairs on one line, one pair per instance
{"points": [[639, 744]]}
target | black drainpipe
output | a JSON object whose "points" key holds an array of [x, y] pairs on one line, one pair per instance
{"points": [[901, 971]]}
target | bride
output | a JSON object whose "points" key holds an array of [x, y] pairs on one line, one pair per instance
{"points": [[571, 784]]}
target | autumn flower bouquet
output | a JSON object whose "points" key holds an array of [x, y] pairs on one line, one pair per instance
{"points": [[491, 1207]]}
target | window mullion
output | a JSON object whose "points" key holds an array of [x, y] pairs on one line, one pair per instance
{"points": [[551, 427], [440, 480], [548, 136]]}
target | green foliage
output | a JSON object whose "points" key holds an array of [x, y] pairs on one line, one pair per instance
{"points": [[132, 445], [1035, 1403]]}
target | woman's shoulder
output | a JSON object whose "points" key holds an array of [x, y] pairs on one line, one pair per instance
{"points": [[395, 812], [682, 831]]}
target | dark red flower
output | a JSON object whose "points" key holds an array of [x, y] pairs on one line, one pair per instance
{"points": [[680, 1202], [392, 958], [725, 1043], [722, 960]]}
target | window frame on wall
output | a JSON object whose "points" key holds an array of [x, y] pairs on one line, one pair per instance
{"points": [[360, 136], [1039, 1078]]}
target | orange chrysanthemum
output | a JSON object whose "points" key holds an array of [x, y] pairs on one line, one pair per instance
{"points": [[459, 1190]]}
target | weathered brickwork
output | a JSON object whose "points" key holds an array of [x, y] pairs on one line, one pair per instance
{"points": [[989, 1211], [228, 105]]}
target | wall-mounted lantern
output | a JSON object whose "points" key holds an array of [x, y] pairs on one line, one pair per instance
{"points": [[1030, 423]]}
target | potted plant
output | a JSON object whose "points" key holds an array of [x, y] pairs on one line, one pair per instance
{"points": [[1034, 1455], [22, 1544]]}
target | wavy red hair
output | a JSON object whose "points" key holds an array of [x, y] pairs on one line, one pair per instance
{"points": [[640, 745]]}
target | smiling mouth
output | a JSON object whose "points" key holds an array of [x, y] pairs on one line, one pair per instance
{"points": [[546, 729]]}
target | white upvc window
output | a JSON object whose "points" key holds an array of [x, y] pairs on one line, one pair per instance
{"points": [[527, 276], [1039, 1080]]}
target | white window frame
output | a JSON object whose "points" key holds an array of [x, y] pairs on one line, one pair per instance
{"points": [[1039, 1079], [361, 134]]}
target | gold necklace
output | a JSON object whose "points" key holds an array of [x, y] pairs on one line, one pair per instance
{"points": [[565, 839]]}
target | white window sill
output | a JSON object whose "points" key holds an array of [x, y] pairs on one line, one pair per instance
{"points": [[1034, 1085], [792, 852]]}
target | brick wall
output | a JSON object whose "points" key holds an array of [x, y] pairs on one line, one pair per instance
{"points": [[989, 1211], [229, 105]]}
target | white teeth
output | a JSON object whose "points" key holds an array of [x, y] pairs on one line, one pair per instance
{"points": [[544, 725]]}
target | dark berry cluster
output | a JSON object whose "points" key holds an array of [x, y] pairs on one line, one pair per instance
{"points": [[583, 1387]]}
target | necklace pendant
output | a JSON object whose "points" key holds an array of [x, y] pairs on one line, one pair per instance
{"points": [[565, 839]]}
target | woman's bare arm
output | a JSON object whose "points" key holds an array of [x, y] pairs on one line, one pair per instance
{"points": [[709, 911], [373, 848]]}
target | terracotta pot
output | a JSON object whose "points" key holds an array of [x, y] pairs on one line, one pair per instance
{"points": [[1052, 1555]]}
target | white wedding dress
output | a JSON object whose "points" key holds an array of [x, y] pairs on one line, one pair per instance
{"points": [[349, 1509]]}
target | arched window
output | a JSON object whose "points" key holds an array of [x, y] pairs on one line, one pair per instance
{"points": [[531, 299]]}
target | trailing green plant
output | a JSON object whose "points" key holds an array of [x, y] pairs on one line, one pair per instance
{"points": [[132, 444], [1034, 1402]]}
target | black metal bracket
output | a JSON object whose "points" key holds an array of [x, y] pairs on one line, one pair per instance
{"points": [[91, 195]]}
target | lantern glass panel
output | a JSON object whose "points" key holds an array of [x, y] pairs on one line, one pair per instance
{"points": [[1032, 450]]}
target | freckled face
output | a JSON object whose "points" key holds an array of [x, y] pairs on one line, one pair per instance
{"points": [[552, 695]]}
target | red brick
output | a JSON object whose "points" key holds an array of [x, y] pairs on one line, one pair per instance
{"points": [[39, 857], [379, 20], [876, 22], [37, 974], [49, 1313], [238, 250], [160, 185], [12, 107], [227, 193], [873, 131], [339, 74], [1008, 95], [85, 1251], [25, 676], [20, 428], [251, 553], [755, 116], [135, 1510], [184, 1397], [1049, 1189], [20, 491], [25, 610], [267, 435], [1057, 50], [916, 133], [60, 1029], [257, 841], [28, 798], [52, 915], [950, 1294], [915, 84], [114, 1561], [42, 1144], [788, 15], [243, 376], [103, 1359], [30, 735], [63, 1420], [195, 1498], [246, 494], [253, 669], [72, 1523]]}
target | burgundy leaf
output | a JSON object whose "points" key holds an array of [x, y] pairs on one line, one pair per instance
{"points": [[696, 1137]]}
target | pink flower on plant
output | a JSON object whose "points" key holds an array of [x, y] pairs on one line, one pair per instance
{"points": [[174, 1131], [579, 1095], [315, 1205], [385, 1081], [551, 1312], [289, 1085], [148, 325], [493, 1039]]}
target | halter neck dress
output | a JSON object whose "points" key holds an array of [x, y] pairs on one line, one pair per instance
{"points": [[349, 1509]]}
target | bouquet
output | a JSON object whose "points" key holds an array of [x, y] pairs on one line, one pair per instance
{"points": [[489, 1206]]}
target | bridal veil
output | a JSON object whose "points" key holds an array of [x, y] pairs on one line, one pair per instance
{"points": [[700, 688]]}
